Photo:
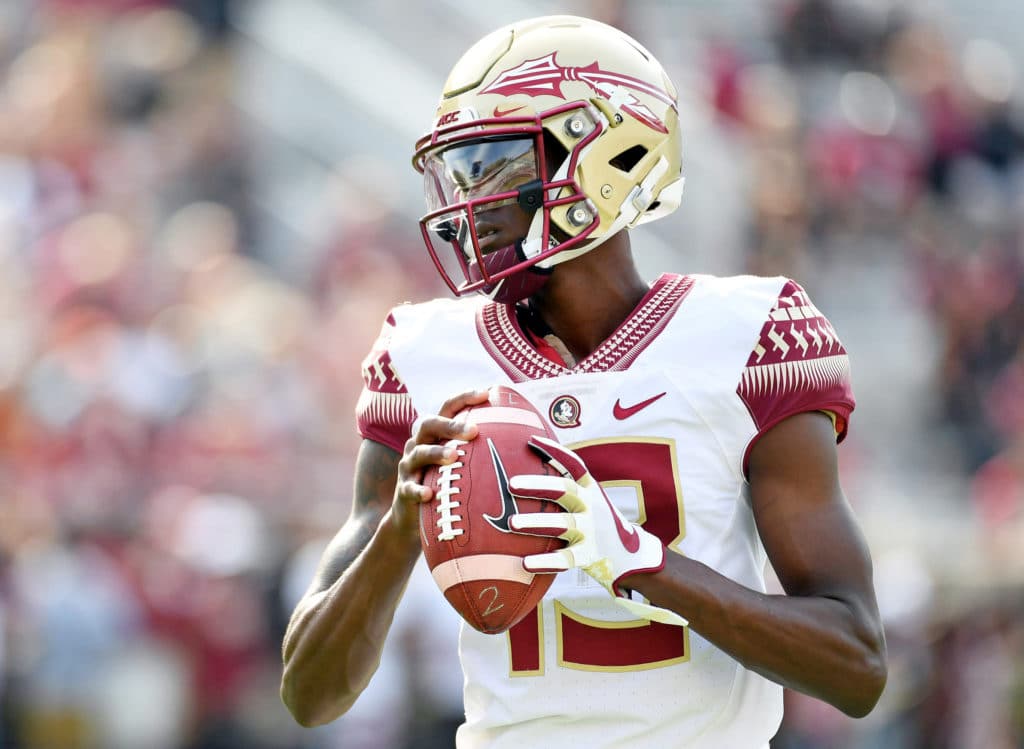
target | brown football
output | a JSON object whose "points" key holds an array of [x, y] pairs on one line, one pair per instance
{"points": [[474, 558]]}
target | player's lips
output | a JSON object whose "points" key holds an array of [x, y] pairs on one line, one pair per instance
{"points": [[501, 227], [493, 237]]}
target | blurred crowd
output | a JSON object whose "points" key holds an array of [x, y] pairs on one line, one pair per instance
{"points": [[176, 429], [877, 132]]}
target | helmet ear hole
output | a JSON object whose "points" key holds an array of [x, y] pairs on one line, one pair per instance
{"points": [[554, 154], [626, 160]]}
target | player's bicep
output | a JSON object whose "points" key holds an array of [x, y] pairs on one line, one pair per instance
{"points": [[374, 486], [808, 529]]}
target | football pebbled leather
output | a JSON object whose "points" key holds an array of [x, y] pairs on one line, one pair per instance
{"points": [[474, 558]]}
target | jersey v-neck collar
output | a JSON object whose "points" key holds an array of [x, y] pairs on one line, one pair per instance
{"points": [[502, 337]]}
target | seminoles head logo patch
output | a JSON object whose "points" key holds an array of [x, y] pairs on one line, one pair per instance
{"points": [[565, 412], [544, 77]]}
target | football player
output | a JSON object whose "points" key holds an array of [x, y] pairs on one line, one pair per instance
{"points": [[697, 418]]}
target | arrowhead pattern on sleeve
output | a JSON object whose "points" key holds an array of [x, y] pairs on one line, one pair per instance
{"points": [[384, 412], [797, 364]]}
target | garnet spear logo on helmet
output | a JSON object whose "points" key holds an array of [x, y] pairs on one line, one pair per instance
{"points": [[544, 77]]}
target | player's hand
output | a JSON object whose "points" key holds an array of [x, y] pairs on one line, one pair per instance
{"points": [[600, 540], [429, 445]]}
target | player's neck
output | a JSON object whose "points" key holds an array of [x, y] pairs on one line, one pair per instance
{"points": [[586, 299]]}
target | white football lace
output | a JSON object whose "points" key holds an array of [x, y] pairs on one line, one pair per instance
{"points": [[446, 477]]}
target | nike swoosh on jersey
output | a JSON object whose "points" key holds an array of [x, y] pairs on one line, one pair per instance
{"points": [[508, 502], [621, 412]]}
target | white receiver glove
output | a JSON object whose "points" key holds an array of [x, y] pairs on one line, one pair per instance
{"points": [[600, 541]]}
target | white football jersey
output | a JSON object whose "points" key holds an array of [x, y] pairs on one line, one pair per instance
{"points": [[664, 414]]}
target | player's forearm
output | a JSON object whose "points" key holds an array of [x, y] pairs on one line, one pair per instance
{"points": [[817, 645], [334, 639]]}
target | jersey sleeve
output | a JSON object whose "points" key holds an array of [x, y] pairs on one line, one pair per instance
{"points": [[798, 364], [384, 412]]}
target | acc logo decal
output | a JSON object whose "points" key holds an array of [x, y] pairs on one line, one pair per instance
{"points": [[565, 412], [447, 119]]}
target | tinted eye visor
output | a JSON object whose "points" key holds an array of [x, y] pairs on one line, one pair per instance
{"points": [[477, 169]]}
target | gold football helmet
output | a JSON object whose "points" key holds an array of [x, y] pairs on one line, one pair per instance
{"points": [[569, 119]]}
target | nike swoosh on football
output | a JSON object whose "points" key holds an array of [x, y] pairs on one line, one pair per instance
{"points": [[508, 502], [506, 112], [621, 412]]}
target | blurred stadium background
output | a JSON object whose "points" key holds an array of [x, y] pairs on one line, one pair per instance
{"points": [[207, 207]]}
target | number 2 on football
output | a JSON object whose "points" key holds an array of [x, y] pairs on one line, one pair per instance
{"points": [[491, 608], [648, 465]]}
